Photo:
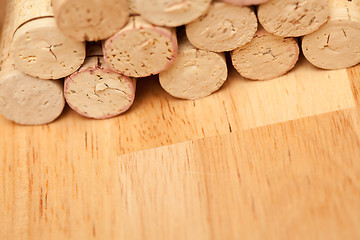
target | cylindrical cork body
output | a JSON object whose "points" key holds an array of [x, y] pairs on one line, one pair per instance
{"points": [[171, 13], [267, 56], [224, 27], [24, 99], [96, 91], [245, 2], [27, 10], [39, 48], [195, 73], [90, 20], [141, 49], [293, 18], [336, 45]]}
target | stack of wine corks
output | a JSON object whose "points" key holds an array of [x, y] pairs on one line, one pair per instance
{"points": [[90, 52]]}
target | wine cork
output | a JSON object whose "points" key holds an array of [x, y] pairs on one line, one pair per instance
{"points": [[195, 73], [141, 49], [266, 57], [224, 27], [24, 99], [95, 91], [171, 13], [293, 18], [27, 10], [336, 45], [91, 20], [39, 48]]}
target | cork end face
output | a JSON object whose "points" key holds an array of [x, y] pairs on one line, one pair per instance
{"points": [[141, 51], [171, 13], [85, 20], [334, 46], [266, 57], [225, 27], [99, 93], [293, 18], [195, 74], [26, 100], [41, 50]]}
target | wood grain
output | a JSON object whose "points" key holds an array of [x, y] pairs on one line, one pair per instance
{"points": [[297, 180], [257, 160]]}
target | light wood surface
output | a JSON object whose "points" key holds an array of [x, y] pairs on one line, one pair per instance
{"points": [[257, 160]]}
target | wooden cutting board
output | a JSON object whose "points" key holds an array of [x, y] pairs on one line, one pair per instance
{"points": [[257, 160]]}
